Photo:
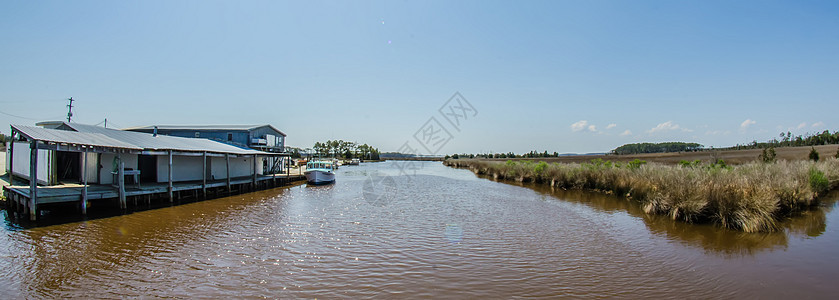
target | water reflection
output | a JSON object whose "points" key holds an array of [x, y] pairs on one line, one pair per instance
{"points": [[443, 233], [67, 258], [712, 239]]}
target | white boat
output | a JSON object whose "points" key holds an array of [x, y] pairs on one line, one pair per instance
{"points": [[319, 172], [355, 162]]}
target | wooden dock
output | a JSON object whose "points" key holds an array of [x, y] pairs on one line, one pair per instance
{"points": [[18, 196]]}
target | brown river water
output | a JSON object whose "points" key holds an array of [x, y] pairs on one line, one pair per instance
{"points": [[435, 232]]}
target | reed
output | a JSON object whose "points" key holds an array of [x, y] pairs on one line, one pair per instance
{"points": [[751, 197]]}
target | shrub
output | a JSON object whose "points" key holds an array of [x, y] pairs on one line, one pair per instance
{"points": [[635, 164], [814, 155], [689, 164], [837, 154], [818, 182], [768, 155], [540, 167]]}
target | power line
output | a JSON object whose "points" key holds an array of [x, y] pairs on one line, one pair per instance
{"points": [[16, 116]]}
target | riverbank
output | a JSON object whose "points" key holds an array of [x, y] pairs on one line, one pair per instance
{"points": [[731, 157], [751, 197]]}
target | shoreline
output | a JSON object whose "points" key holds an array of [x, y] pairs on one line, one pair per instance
{"points": [[751, 197]]}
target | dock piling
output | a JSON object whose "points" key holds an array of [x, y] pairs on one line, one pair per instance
{"points": [[121, 182], [33, 180], [171, 186]]}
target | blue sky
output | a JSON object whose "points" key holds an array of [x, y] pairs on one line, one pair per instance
{"points": [[566, 76]]}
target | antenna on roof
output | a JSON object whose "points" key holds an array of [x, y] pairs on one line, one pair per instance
{"points": [[70, 110]]}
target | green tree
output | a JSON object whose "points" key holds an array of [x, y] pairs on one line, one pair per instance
{"points": [[814, 155], [768, 155]]}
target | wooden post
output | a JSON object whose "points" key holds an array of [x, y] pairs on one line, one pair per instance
{"points": [[254, 172], [33, 180], [227, 161], [121, 181], [171, 186], [204, 176], [12, 159], [84, 190]]}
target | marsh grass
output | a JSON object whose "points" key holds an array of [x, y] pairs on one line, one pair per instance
{"points": [[751, 197]]}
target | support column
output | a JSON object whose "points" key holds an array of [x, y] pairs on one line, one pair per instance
{"points": [[227, 162], [254, 172], [121, 181], [33, 180], [204, 176], [171, 185], [12, 159], [84, 190]]}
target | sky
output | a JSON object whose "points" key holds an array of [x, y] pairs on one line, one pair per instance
{"points": [[564, 76]]}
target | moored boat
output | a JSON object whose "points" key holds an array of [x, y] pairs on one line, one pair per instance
{"points": [[320, 172]]}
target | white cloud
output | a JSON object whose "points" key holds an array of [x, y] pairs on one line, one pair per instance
{"points": [[666, 126], [802, 125], [579, 126], [626, 132], [818, 124], [610, 126], [746, 124], [583, 125]]}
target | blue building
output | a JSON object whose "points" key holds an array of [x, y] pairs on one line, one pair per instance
{"points": [[259, 137]]}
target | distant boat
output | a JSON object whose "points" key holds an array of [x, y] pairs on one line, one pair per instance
{"points": [[320, 172], [354, 162]]}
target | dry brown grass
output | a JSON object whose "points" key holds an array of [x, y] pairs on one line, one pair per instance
{"points": [[731, 157], [750, 197]]}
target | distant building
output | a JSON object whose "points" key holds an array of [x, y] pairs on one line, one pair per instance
{"points": [[259, 137]]}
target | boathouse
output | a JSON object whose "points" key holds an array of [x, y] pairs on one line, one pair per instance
{"points": [[258, 137], [77, 162]]}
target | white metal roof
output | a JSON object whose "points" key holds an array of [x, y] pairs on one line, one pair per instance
{"points": [[106, 137], [70, 137], [204, 127]]}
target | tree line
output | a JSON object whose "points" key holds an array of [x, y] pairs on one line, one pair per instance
{"points": [[637, 148], [531, 154], [786, 139], [339, 149]]}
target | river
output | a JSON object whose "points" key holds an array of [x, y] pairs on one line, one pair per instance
{"points": [[416, 229]]}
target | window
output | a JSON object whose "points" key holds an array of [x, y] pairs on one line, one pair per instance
{"points": [[229, 137], [197, 134]]}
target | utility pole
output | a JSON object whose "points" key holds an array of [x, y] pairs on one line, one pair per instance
{"points": [[70, 110]]}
